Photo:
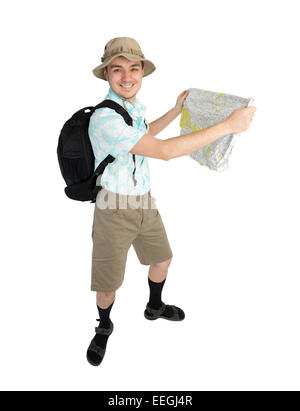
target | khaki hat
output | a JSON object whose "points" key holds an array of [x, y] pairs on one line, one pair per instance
{"points": [[126, 47]]}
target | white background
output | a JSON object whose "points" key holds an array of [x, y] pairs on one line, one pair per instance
{"points": [[234, 235]]}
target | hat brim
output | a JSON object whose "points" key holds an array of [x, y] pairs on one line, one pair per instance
{"points": [[149, 67]]}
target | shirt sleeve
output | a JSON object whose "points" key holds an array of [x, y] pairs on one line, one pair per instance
{"points": [[111, 134]]}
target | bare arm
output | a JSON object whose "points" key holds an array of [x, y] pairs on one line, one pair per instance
{"points": [[155, 127], [188, 143], [173, 147]]}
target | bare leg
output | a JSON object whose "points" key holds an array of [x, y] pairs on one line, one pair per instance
{"points": [[104, 300], [158, 272]]}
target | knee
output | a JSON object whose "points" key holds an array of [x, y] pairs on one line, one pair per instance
{"points": [[108, 295], [164, 265], [104, 299]]}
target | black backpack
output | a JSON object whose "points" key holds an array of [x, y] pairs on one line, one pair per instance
{"points": [[76, 157]]}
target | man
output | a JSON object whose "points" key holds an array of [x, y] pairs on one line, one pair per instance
{"points": [[127, 178]]}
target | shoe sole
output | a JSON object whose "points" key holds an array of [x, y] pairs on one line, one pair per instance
{"points": [[164, 318]]}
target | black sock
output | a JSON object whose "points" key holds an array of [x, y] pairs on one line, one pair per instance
{"points": [[104, 314], [155, 293], [101, 340], [155, 301]]}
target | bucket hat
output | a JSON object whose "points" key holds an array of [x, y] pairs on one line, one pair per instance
{"points": [[126, 47]]}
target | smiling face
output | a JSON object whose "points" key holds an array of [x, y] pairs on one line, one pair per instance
{"points": [[125, 77]]}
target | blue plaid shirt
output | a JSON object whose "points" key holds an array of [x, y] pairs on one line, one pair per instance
{"points": [[109, 134]]}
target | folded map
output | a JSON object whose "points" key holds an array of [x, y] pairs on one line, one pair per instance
{"points": [[202, 109]]}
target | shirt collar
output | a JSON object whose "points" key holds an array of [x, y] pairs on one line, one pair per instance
{"points": [[133, 109]]}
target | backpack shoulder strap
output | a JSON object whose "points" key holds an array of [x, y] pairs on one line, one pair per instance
{"points": [[119, 109]]}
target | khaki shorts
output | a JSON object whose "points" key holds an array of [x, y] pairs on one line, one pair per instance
{"points": [[130, 219]]}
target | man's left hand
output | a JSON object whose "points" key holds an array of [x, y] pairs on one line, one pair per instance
{"points": [[180, 100]]}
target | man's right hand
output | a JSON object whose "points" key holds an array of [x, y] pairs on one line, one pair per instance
{"points": [[240, 119]]}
